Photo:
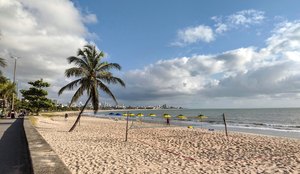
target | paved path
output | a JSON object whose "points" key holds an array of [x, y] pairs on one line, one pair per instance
{"points": [[14, 155]]}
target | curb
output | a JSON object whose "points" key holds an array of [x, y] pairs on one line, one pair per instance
{"points": [[44, 159]]}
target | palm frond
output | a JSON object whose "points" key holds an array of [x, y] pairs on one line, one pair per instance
{"points": [[104, 66], [69, 86], [6, 89], [88, 50], [89, 47], [111, 79], [82, 55], [87, 83], [75, 71], [78, 61], [98, 58], [100, 55], [2, 62], [95, 61], [77, 94], [105, 89]]}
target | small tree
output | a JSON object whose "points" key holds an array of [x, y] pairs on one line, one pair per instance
{"points": [[36, 96], [22, 104]]}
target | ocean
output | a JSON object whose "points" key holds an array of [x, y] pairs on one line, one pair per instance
{"points": [[283, 122]]}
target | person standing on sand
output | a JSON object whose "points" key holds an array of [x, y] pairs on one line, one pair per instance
{"points": [[168, 121], [66, 117]]}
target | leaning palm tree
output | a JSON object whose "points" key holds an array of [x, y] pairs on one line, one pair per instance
{"points": [[91, 74]]}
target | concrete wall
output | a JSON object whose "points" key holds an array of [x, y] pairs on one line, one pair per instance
{"points": [[44, 159]]}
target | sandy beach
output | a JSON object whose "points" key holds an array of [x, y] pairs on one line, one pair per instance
{"points": [[97, 146]]}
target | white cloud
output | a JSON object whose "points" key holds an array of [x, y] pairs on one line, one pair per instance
{"points": [[43, 34], [244, 18], [204, 33], [187, 75], [192, 35], [244, 73], [90, 18], [221, 28], [286, 38]]}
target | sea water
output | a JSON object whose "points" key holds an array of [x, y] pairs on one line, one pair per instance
{"points": [[284, 122]]}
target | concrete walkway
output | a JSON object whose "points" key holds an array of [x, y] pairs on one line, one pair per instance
{"points": [[44, 159], [14, 153]]}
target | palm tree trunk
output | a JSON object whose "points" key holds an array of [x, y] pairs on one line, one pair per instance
{"points": [[78, 117], [38, 112]]}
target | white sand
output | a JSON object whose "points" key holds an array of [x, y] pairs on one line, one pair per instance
{"points": [[97, 146]]}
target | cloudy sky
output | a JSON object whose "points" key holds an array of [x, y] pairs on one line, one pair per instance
{"points": [[195, 54]]}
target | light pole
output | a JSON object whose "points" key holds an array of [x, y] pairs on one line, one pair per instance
{"points": [[17, 86], [14, 82]]}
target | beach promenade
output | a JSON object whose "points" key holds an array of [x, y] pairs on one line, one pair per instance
{"points": [[14, 155], [23, 150]]}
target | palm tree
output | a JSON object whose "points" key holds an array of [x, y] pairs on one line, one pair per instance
{"points": [[7, 89], [91, 74]]}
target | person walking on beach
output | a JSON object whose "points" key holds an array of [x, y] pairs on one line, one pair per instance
{"points": [[66, 116], [168, 121]]}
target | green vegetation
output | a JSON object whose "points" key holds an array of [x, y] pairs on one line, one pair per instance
{"points": [[7, 88], [91, 74], [35, 97]]}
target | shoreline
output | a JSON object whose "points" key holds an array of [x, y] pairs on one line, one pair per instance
{"points": [[220, 127], [232, 128], [97, 146]]}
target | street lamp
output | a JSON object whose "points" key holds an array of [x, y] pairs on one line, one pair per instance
{"points": [[14, 82]]}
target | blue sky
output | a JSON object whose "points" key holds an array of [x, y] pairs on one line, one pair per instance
{"points": [[195, 54], [143, 31]]}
